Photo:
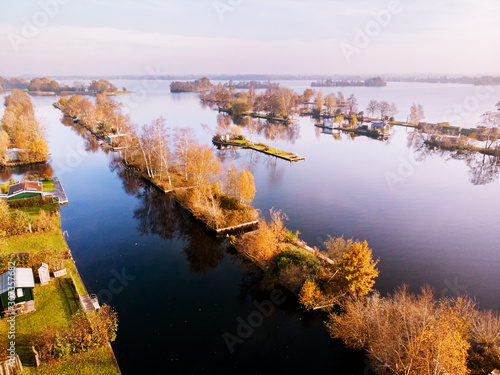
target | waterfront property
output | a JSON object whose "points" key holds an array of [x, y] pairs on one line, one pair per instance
{"points": [[25, 189], [13, 154], [17, 286]]}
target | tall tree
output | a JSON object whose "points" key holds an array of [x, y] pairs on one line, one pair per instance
{"points": [[246, 186], [319, 101], [353, 104], [384, 108], [202, 165], [357, 269], [416, 113], [184, 138], [372, 107]]}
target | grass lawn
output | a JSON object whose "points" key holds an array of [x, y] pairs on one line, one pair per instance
{"points": [[48, 185], [55, 304], [34, 211], [96, 361]]}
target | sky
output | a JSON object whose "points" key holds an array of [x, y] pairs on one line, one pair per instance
{"points": [[299, 37]]}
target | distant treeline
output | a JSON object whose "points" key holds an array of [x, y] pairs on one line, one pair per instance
{"points": [[202, 84], [478, 81], [371, 82], [249, 84], [13, 83], [44, 84]]}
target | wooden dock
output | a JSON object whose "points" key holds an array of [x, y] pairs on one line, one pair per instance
{"points": [[59, 192], [260, 148], [89, 303]]}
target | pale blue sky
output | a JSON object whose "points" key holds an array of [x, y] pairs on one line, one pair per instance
{"points": [[249, 36]]}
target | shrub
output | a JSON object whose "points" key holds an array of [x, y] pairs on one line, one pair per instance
{"points": [[30, 202], [20, 222], [5, 188], [45, 344], [290, 236], [105, 325], [45, 222], [292, 255], [309, 295]]}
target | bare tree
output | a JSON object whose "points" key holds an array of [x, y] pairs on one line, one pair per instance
{"points": [[252, 126], [489, 125], [184, 139], [384, 108], [372, 107], [416, 113], [353, 104], [272, 132], [393, 110]]}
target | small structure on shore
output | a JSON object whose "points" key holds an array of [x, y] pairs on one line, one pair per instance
{"points": [[44, 274], [25, 189], [13, 154], [16, 288]]}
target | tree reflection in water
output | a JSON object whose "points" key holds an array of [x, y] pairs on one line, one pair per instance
{"points": [[483, 168], [158, 214], [91, 143], [39, 169]]}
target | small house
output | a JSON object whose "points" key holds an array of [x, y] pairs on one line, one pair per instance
{"points": [[16, 286], [13, 154], [25, 189]]}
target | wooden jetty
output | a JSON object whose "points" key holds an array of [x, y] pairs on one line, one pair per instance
{"points": [[260, 148], [59, 192], [89, 303]]}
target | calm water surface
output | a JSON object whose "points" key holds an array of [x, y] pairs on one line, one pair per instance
{"points": [[431, 219]]}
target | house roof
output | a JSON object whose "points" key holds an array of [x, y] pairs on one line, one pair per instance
{"points": [[14, 150], [32, 186], [23, 278]]}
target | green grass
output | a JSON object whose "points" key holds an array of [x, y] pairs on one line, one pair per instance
{"points": [[48, 185], [50, 242], [55, 304], [96, 361], [34, 211]]}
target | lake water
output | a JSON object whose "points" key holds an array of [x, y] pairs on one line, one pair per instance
{"points": [[431, 219]]}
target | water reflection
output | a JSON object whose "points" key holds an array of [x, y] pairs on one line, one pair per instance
{"points": [[483, 169], [40, 169], [131, 184], [158, 214], [91, 143]]}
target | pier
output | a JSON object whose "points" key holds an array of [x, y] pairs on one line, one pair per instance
{"points": [[260, 148], [59, 192]]}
